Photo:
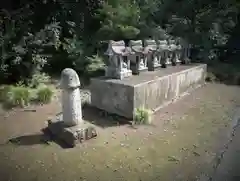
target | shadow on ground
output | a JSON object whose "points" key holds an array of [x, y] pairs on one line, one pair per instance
{"points": [[226, 73], [44, 138], [90, 114], [101, 118]]}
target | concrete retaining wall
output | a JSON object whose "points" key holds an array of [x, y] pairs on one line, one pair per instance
{"points": [[149, 89]]}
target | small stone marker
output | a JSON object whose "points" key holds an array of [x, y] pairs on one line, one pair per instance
{"points": [[71, 128]]}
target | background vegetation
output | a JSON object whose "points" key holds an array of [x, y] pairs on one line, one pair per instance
{"points": [[48, 35]]}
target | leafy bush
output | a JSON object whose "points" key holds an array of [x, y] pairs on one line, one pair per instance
{"points": [[4, 92], [142, 116], [37, 79], [44, 95], [18, 96], [95, 63], [210, 77]]}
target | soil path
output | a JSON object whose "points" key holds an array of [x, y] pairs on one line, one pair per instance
{"points": [[180, 145]]}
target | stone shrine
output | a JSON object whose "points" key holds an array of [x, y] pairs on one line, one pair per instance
{"points": [[186, 51], [151, 48], [69, 126], [162, 52], [139, 59], [178, 51], [118, 67], [172, 52]]}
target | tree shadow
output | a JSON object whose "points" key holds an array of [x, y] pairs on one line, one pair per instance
{"points": [[44, 138], [101, 118], [226, 73]]}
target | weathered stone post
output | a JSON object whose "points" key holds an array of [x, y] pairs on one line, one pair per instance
{"points": [[70, 127], [71, 98]]}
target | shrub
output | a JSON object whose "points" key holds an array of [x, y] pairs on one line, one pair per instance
{"points": [[210, 77], [4, 91], [44, 95], [18, 96], [37, 79], [142, 116], [95, 63]]}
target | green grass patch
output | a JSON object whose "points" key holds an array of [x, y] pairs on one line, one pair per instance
{"points": [[44, 95], [21, 96], [142, 116]]}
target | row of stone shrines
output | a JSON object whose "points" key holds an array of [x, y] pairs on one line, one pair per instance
{"points": [[144, 55]]}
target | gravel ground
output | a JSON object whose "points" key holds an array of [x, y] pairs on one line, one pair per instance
{"points": [[181, 144]]}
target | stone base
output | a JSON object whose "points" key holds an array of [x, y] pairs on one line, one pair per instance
{"points": [[125, 74], [154, 67], [115, 74], [136, 70], [71, 135], [151, 89]]}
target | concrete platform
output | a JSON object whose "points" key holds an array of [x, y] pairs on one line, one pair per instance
{"points": [[151, 89]]}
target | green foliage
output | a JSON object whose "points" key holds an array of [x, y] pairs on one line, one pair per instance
{"points": [[44, 95], [18, 96], [95, 63], [119, 21], [142, 116], [37, 79], [70, 34], [4, 92], [23, 52]]}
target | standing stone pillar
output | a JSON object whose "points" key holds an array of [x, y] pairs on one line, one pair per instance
{"points": [[71, 98], [71, 128]]}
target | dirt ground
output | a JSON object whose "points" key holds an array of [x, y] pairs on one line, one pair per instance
{"points": [[228, 170], [180, 145]]}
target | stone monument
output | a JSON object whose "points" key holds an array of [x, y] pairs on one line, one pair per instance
{"points": [[185, 55], [70, 127], [118, 67], [151, 50], [139, 59], [71, 98], [162, 52], [173, 51]]}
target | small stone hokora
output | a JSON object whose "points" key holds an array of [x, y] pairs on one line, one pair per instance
{"points": [[185, 53], [151, 48], [172, 49], [139, 55], [162, 51], [117, 67], [178, 50]]}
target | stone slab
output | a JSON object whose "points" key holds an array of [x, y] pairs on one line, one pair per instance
{"points": [[71, 135], [150, 89]]}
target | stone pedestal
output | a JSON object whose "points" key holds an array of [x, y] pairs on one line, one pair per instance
{"points": [[71, 135], [114, 73]]}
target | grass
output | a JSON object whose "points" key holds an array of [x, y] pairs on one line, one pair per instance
{"points": [[142, 116], [44, 95], [21, 96]]}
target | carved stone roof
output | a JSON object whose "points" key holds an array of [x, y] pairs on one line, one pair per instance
{"points": [[136, 46], [162, 45], [151, 45]]}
